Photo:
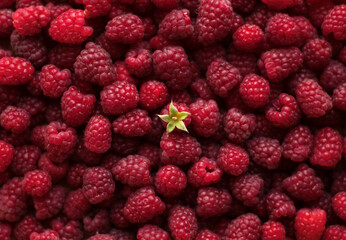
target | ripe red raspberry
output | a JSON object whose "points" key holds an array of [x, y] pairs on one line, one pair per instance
{"points": [[97, 134], [119, 97], [246, 63], [339, 97], [204, 172], [67, 229], [327, 148], [57, 171], [139, 62], [133, 123], [15, 71], [125, 145], [116, 215], [143, 205], [54, 82], [170, 181], [133, 171], [7, 154], [246, 226], [97, 221], [277, 64], [206, 234], [233, 159], [246, 6], [152, 152], [37, 183], [260, 16], [153, 94], [55, 10], [172, 66], [209, 12], [204, 56], [265, 152], [298, 143], [123, 74], [115, 50], [14, 119], [152, 232], [317, 53], [339, 205], [339, 181], [247, 188], [64, 55], [201, 89], [13, 200], [76, 205], [50, 204], [317, 12], [176, 25], [335, 22], [45, 235], [75, 174], [30, 20], [333, 75], [213, 202], [310, 223], [6, 25], [272, 230], [126, 28], [25, 227], [311, 98], [102, 237], [165, 4], [182, 222], [179, 149], [254, 91], [306, 30], [279, 205], [334, 232], [97, 8], [69, 27]]}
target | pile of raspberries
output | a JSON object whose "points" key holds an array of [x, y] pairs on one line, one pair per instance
{"points": [[173, 119]]}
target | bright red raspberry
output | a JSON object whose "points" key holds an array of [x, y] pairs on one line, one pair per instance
{"points": [[277, 64], [97, 8], [133, 123], [333, 75], [153, 94], [310, 223], [254, 91], [176, 25], [25, 227], [246, 226], [233, 159], [54, 82], [247, 188], [143, 205], [204, 172], [279, 205], [67, 229], [133, 171], [64, 55], [152, 232], [30, 20], [265, 152], [6, 25], [37, 183], [327, 148], [45, 235], [119, 97], [311, 98], [170, 181], [76, 205], [339, 97], [272, 230], [339, 205], [182, 222], [165, 4], [334, 232], [179, 149], [7, 154], [335, 22], [209, 12], [15, 71], [139, 62], [69, 27], [14, 119], [97, 134], [213, 202], [317, 53], [298, 143]]}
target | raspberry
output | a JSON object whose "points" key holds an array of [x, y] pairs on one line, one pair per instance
{"points": [[306, 30], [279, 63], [7, 154], [96, 222], [123, 74], [67, 229], [339, 205], [204, 172], [76, 205], [96, 9], [5, 231], [153, 94], [165, 4], [29, 21], [213, 202], [317, 53], [272, 230], [139, 62], [317, 12], [265, 152], [126, 28], [97, 134], [125, 145], [206, 234], [246, 226], [117, 217], [14, 119], [55, 10], [339, 182], [119, 97], [209, 12], [246, 63], [54, 82], [247, 188], [56, 171], [50, 204], [280, 5], [279, 205], [335, 22], [339, 96], [254, 91], [69, 27], [32, 105], [15, 71], [334, 232], [114, 49], [133, 171], [53, 112], [172, 66], [201, 89], [182, 223], [45, 235], [333, 75], [298, 143], [63, 55], [101, 237], [233, 159], [170, 181], [75, 174], [143, 205], [152, 152], [37, 183], [327, 148], [311, 98], [152, 232], [204, 56], [179, 149], [342, 55], [133, 123], [25, 227], [6, 25], [309, 223]]}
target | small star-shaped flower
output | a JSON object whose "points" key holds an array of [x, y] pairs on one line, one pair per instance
{"points": [[174, 119]]}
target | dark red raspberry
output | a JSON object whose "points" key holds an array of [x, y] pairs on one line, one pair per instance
{"points": [[117, 217], [247, 188], [213, 202], [342, 55], [15, 71], [254, 91], [339, 97], [67, 229], [306, 30], [97, 134], [209, 12], [339, 205], [311, 98], [133, 123], [123, 74], [125, 145], [54, 82], [206, 234], [84, 155], [243, 6], [327, 148], [298, 143], [202, 90], [176, 25], [69, 27], [165, 4], [143, 205], [37, 183], [152, 152], [170, 181], [139, 62], [334, 232], [153, 94], [179, 149], [246, 63], [317, 53], [56, 171], [172, 66], [55, 10], [335, 22], [32, 105], [279, 63], [96, 221], [246, 226], [339, 181], [75, 174], [272, 230], [25, 227], [233, 159], [333, 75], [281, 5], [14, 119], [7, 154], [6, 25], [53, 112], [102, 237], [115, 50], [119, 97], [182, 222], [64, 55], [310, 223], [133, 171], [260, 16], [265, 152], [76, 205], [317, 12], [279, 205], [204, 172], [45, 235], [97, 8], [5, 231], [152, 232], [204, 56]]}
